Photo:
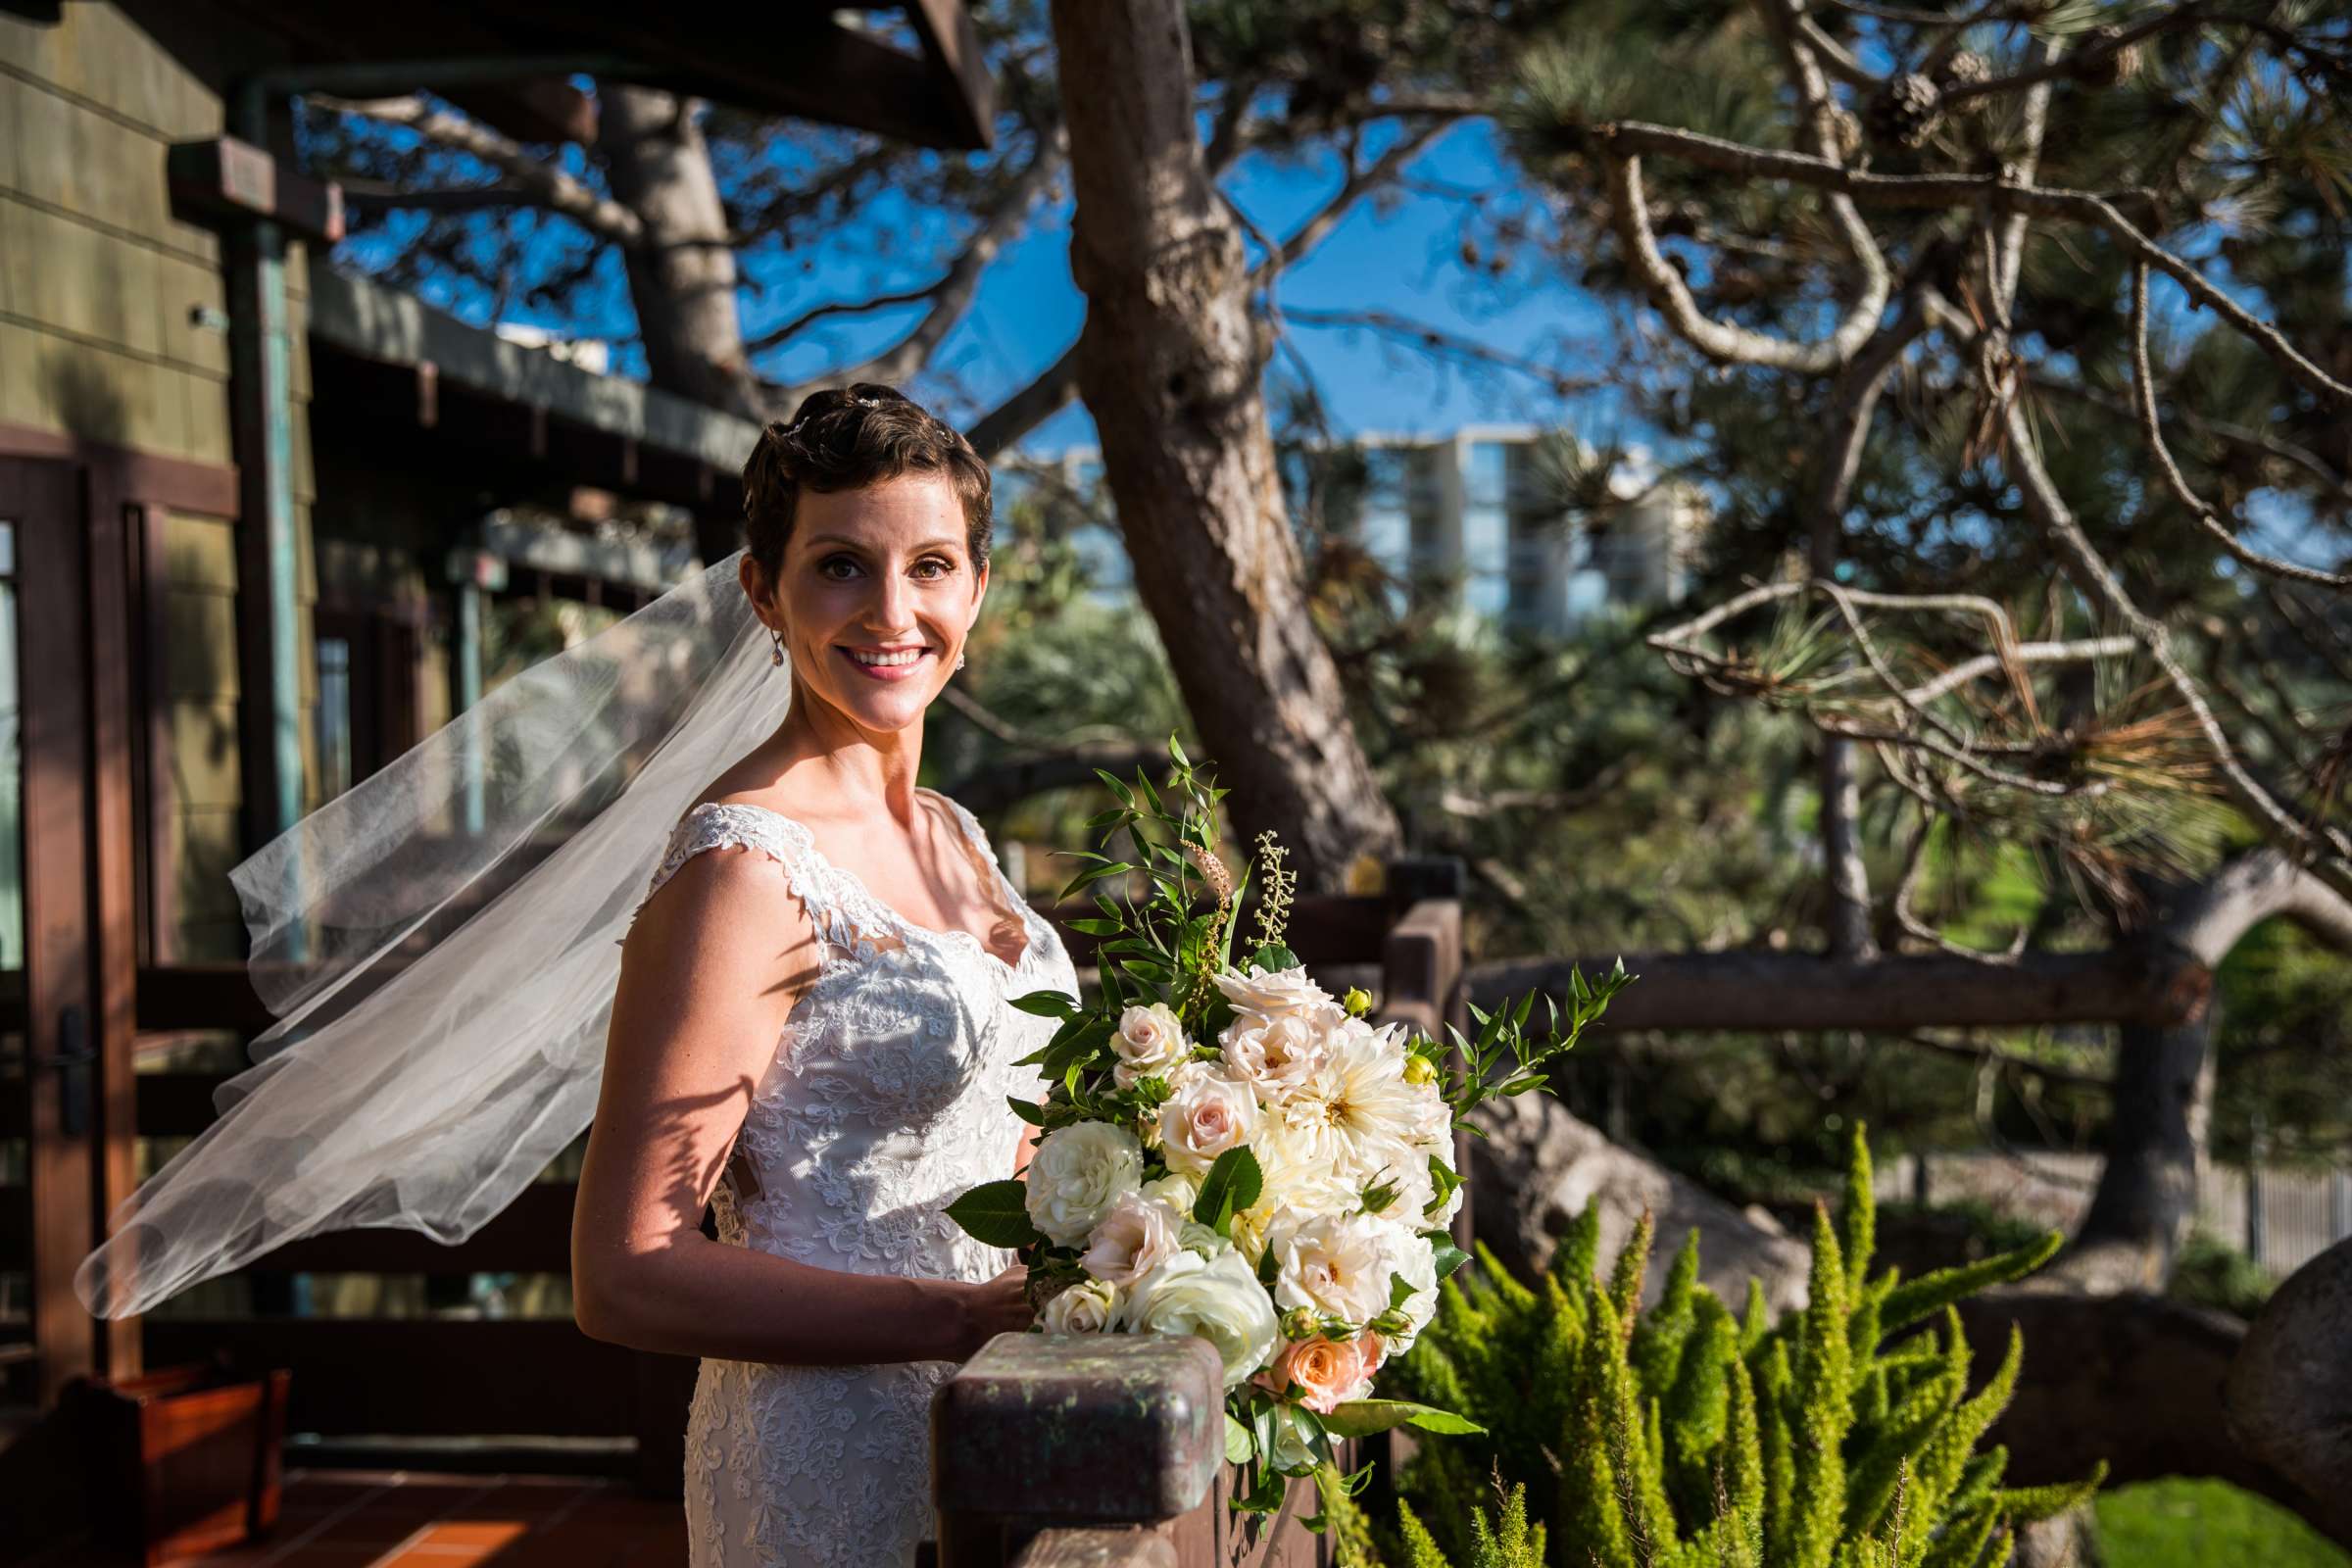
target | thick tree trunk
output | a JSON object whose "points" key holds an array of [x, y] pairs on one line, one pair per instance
{"points": [[1169, 365], [2147, 1193], [682, 275]]}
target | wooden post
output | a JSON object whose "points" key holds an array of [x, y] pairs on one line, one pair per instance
{"points": [[1124, 1433]]}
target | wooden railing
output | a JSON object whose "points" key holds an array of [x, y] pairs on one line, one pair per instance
{"points": [[450, 1377], [1105, 1451]]}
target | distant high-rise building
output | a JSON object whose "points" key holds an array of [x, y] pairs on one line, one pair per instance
{"points": [[1483, 514], [1479, 514]]}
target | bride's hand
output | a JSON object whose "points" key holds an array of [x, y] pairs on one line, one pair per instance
{"points": [[997, 1306]]}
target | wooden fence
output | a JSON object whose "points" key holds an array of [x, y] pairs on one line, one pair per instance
{"points": [[412, 1377]]}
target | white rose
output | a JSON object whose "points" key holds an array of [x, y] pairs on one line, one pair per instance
{"points": [[1077, 1173], [1337, 1265], [1275, 1056], [1133, 1239], [1207, 1115], [1217, 1299], [1090, 1307], [1273, 992], [1195, 1237], [1291, 1456], [1150, 1043], [1176, 1190]]}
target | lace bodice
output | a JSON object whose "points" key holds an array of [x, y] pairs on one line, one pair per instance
{"points": [[885, 1101]]}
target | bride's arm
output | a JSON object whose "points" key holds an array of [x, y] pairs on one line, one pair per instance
{"points": [[709, 974]]}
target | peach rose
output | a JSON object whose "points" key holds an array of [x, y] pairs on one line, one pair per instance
{"points": [[1329, 1372]]}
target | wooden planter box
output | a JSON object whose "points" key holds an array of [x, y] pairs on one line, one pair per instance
{"points": [[187, 1460]]}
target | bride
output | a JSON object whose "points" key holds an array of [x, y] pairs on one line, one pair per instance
{"points": [[811, 1032], [805, 1025]]}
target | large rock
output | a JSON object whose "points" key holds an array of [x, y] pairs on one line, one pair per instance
{"points": [[2289, 1391], [1538, 1167]]}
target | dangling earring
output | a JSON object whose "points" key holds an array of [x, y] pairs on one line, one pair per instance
{"points": [[958, 660], [776, 637]]}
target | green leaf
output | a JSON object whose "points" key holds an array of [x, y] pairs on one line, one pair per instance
{"points": [[1028, 1111], [1916, 1299], [1450, 1256], [996, 1213], [1240, 1442], [1400, 1290], [1361, 1418], [1046, 1005], [1097, 928], [1270, 1492], [1274, 955], [1231, 1186]]}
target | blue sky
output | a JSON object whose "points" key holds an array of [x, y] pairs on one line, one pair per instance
{"points": [[1398, 256]]}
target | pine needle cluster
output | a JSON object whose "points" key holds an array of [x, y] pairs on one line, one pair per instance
{"points": [[1844, 1436]]}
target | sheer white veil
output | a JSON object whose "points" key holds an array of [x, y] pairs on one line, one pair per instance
{"points": [[442, 992]]}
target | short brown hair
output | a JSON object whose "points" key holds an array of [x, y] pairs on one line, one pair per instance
{"points": [[847, 438]]}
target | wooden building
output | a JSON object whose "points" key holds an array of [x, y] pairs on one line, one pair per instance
{"points": [[262, 526]]}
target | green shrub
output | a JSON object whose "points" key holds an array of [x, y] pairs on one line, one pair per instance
{"points": [[1841, 1435], [2210, 1272]]}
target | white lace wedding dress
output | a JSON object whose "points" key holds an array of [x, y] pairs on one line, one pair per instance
{"points": [[885, 1102]]}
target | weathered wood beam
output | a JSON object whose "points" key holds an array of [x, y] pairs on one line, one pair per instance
{"points": [[1744, 991]]}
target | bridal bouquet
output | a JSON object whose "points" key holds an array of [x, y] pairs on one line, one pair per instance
{"points": [[1227, 1151]]}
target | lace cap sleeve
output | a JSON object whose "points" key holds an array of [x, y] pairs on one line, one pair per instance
{"points": [[714, 825]]}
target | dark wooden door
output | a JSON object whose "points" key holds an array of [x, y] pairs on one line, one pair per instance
{"points": [[50, 1128]]}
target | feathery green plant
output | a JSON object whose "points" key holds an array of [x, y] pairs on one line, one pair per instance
{"points": [[1844, 1436]]}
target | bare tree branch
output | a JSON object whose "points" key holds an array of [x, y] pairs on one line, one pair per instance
{"points": [[1995, 191], [2053, 68], [2143, 387], [1380, 171], [549, 187], [2100, 584], [776, 337], [2239, 437], [1729, 342], [1445, 345], [1033, 405], [952, 295]]}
